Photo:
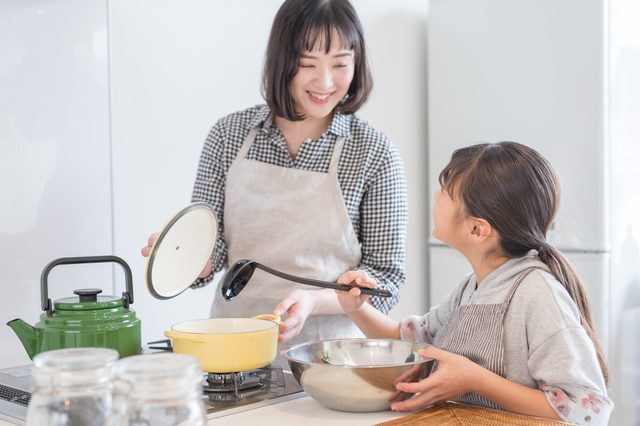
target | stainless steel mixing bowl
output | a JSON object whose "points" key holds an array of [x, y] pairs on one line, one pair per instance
{"points": [[356, 375]]}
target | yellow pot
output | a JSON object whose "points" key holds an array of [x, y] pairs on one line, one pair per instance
{"points": [[226, 345]]}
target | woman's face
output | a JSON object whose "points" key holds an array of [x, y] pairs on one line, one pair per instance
{"points": [[322, 80]]}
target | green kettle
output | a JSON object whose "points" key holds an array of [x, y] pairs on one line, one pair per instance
{"points": [[85, 320]]}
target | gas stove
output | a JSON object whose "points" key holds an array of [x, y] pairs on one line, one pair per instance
{"points": [[230, 393]]}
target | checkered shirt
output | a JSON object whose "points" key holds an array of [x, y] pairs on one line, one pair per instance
{"points": [[370, 173]]}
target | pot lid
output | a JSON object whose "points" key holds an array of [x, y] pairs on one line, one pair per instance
{"points": [[182, 250]]}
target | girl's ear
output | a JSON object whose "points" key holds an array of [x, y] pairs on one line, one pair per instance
{"points": [[480, 230]]}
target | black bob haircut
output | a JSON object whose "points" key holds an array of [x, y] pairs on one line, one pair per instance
{"points": [[303, 25]]}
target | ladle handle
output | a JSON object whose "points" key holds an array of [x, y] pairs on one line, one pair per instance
{"points": [[325, 284]]}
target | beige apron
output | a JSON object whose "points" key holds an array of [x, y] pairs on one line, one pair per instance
{"points": [[294, 221]]}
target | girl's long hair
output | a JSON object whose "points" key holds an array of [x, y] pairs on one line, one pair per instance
{"points": [[516, 190]]}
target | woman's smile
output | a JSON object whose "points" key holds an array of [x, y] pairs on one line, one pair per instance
{"points": [[320, 97]]}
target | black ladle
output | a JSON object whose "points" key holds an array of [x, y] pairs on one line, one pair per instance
{"points": [[239, 274]]}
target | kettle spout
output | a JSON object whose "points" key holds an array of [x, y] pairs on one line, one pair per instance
{"points": [[27, 335]]}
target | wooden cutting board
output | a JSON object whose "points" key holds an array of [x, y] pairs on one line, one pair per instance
{"points": [[454, 414]]}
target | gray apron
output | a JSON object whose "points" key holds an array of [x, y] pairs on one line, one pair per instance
{"points": [[294, 221], [475, 331]]}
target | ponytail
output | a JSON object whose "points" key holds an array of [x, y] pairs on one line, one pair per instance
{"points": [[568, 277]]}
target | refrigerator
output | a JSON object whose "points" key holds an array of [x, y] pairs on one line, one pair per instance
{"points": [[561, 76]]}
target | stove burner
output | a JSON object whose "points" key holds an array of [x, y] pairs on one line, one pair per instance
{"points": [[236, 392], [231, 382], [234, 383]]}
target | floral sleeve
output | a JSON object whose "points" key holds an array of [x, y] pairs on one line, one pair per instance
{"points": [[416, 329], [424, 328], [578, 404]]}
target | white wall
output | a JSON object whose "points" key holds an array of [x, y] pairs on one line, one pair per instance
{"points": [[104, 107], [55, 168]]}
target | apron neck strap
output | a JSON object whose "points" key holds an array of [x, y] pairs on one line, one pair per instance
{"points": [[459, 299], [512, 291], [246, 145], [337, 150], [514, 287]]}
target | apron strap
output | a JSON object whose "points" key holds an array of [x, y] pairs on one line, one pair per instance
{"points": [[514, 287], [337, 150], [459, 299], [245, 146]]}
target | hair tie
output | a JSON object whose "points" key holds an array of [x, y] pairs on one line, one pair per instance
{"points": [[543, 246]]}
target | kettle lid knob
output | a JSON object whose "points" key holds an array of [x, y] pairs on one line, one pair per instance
{"points": [[88, 294]]}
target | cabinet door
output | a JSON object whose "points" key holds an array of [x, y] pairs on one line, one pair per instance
{"points": [[529, 71], [54, 154]]}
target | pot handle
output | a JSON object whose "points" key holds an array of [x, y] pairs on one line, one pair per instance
{"points": [[191, 337], [268, 317], [46, 305]]}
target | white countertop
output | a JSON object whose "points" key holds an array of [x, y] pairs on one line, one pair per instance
{"points": [[299, 411], [302, 411]]}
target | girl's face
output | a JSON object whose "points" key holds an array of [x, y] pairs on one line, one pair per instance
{"points": [[446, 225], [322, 80]]}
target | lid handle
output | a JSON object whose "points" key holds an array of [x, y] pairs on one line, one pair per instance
{"points": [[88, 294], [46, 305]]}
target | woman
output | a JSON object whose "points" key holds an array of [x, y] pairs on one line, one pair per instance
{"points": [[303, 185]]}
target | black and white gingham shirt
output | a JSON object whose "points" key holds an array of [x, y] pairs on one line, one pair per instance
{"points": [[370, 173]]}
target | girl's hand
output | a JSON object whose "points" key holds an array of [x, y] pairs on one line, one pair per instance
{"points": [[410, 376], [152, 239], [455, 376], [353, 300], [298, 304]]}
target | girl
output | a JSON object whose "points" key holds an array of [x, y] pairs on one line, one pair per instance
{"points": [[517, 333], [302, 184]]}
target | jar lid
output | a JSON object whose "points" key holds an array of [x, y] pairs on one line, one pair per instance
{"points": [[182, 250], [74, 367], [159, 376]]}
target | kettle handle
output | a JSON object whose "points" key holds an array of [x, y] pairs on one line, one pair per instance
{"points": [[46, 305]]}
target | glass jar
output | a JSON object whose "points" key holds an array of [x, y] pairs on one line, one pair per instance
{"points": [[72, 387], [158, 390]]}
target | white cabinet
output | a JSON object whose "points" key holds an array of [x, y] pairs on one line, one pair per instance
{"points": [[55, 159]]}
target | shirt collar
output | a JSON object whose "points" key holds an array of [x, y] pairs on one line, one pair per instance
{"points": [[262, 116], [340, 125]]}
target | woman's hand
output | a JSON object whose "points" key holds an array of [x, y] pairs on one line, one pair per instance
{"points": [[455, 376], [152, 239], [353, 300], [298, 304]]}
